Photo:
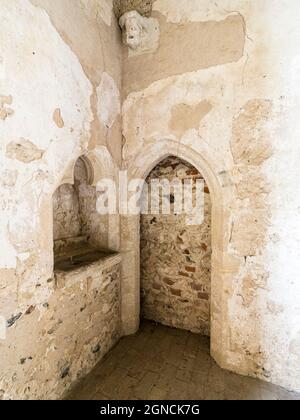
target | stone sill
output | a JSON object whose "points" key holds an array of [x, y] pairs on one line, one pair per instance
{"points": [[66, 279]]}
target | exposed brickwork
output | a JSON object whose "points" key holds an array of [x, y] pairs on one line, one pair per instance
{"points": [[176, 260]]}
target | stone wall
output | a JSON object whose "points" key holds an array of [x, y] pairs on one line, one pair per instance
{"points": [[220, 90], [144, 7], [94, 226], [72, 331], [176, 259], [75, 210], [86, 325], [60, 81], [67, 215]]}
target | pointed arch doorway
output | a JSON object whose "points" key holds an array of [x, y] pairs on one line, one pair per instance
{"points": [[223, 266]]}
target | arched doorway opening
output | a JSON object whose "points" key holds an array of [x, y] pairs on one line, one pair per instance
{"points": [[176, 250], [224, 265]]}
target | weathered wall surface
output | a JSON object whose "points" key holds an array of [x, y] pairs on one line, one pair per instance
{"points": [[62, 340], [75, 210], [67, 221], [223, 86], [66, 216], [83, 323], [176, 258], [54, 107], [94, 226]]}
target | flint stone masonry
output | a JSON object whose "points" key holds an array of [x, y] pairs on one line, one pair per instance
{"points": [[176, 258], [143, 7]]}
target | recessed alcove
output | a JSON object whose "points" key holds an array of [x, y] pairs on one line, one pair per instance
{"points": [[80, 233]]}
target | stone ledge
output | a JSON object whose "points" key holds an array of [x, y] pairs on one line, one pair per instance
{"points": [[68, 279]]}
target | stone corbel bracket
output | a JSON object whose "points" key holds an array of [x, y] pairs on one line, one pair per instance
{"points": [[133, 25], [139, 33]]}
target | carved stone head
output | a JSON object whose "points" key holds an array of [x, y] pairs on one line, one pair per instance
{"points": [[132, 24]]}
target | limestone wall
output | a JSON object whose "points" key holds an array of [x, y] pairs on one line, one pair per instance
{"points": [[221, 89], [60, 81], [176, 258]]}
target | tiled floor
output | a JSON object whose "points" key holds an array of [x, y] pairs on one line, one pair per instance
{"points": [[162, 363]]}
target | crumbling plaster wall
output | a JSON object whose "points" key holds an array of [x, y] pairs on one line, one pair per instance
{"points": [[60, 81], [223, 88]]}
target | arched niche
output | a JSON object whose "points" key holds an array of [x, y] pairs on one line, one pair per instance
{"points": [[72, 203], [99, 164], [76, 221]]}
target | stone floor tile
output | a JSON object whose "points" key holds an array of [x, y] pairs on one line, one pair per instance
{"points": [[126, 388], [100, 397], [161, 363], [158, 394], [178, 390], [85, 390], [110, 386], [144, 388]]}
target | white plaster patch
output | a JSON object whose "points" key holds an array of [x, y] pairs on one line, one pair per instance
{"points": [[23, 256], [2, 328], [2, 69], [42, 74], [8, 252], [109, 103]]}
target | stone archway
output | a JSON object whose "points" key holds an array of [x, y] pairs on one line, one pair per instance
{"points": [[224, 265]]}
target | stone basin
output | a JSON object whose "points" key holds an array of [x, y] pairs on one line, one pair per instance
{"points": [[80, 258]]}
